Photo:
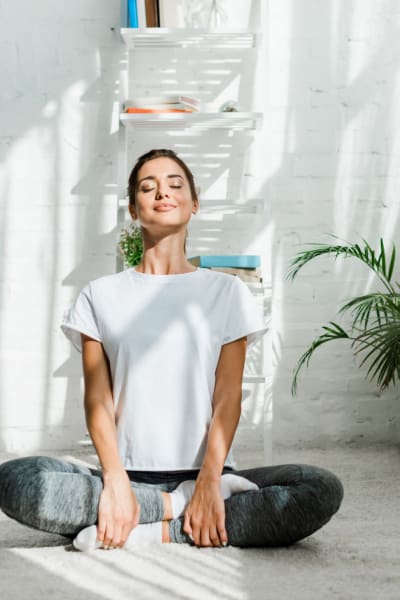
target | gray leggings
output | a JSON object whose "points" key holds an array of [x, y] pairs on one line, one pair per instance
{"points": [[293, 501]]}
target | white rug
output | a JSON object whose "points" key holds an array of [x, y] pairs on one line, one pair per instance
{"points": [[356, 555]]}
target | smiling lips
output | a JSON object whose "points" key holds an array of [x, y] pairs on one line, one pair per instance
{"points": [[164, 207]]}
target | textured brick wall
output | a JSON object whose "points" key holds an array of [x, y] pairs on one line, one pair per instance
{"points": [[57, 196]]}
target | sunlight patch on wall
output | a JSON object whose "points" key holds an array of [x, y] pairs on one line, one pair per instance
{"points": [[391, 192], [359, 39]]}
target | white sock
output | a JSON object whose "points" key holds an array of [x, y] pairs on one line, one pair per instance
{"points": [[146, 533], [230, 484], [180, 497], [235, 484]]}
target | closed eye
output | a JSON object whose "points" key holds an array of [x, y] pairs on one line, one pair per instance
{"points": [[150, 189]]}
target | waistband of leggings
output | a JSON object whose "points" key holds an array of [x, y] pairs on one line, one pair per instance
{"points": [[165, 476]]}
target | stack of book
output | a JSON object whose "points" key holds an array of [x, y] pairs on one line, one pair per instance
{"points": [[142, 13], [245, 266], [162, 104]]}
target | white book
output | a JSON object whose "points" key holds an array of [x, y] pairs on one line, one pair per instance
{"points": [[141, 13], [172, 13], [158, 102]]}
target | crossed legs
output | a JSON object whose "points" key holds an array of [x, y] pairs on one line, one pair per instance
{"points": [[291, 503]]}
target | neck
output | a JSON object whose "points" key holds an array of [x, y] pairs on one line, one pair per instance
{"points": [[168, 266]]}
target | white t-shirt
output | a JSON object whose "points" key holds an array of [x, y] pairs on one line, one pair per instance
{"points": [[163, 335]]}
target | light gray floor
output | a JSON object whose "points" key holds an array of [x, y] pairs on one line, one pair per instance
{"points": [[356, 555]]}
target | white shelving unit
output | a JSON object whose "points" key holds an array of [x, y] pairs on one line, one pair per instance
{"points": [[199, 39], [198, 120], [161, 37]]}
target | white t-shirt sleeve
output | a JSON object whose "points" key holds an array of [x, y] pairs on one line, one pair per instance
{"points": [[81, 318], [243, 315]]}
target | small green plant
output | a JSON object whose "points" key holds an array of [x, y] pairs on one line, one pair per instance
{"points": [[375, 327], [130, 245]]}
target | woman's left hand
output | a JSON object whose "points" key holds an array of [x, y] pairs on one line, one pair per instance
{"points": [[204, 518]]}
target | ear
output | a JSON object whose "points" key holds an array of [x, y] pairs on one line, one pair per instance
{"points": [[195, 207], [132, 212]]}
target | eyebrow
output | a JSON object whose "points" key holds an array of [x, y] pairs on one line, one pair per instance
{"points": [[152, 177]]}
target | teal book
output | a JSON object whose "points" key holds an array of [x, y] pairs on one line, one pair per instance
{"points": [[132, 14], [233, 261]]}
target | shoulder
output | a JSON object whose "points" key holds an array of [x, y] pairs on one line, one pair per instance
{"points": [[106, 283], [219, 277], [108, 280], [226, 283]]}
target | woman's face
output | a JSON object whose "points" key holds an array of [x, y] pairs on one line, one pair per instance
{"points": [[163, 197]]}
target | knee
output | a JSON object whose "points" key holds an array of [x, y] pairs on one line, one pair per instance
{"points": [[12, 472], [325, 488], [25, 485], [19, 478], [18, 469]]}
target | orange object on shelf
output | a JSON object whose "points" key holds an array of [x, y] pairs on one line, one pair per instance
{"points": [[157, 110]]}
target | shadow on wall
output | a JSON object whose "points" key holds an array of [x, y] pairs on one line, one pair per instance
{"points": [[333, 117], [52, 130]]}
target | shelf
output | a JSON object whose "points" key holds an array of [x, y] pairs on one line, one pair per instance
{"points": [[197, 120], [189, 38]]}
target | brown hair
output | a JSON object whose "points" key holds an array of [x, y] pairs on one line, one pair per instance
{"points": [[157, 153]]}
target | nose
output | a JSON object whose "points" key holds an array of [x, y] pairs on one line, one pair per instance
{"points": [[162, 191]]}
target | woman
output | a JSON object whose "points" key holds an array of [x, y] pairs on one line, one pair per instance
{"points": [[163, 350]]}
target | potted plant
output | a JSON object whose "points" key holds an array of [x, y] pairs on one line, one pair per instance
{"points": [[130, 245], [375, 328]]}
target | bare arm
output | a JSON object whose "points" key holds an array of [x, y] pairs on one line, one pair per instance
{"points": [[205, 514], [118, 507], [99, 405]]}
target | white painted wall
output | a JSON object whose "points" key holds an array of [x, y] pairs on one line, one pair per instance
{"points": [[59, 65], [325, 160]]}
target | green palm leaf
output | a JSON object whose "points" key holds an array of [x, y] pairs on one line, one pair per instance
{"points": [[366, 255], [384, 344], [391, 264], [370, 306], [375, 327], [335, 332]]}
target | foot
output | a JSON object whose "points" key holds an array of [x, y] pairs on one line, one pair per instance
{"points": [[230, 484], [146, 533]]}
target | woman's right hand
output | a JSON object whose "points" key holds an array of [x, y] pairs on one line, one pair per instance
{"points": [[119, 510]]}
